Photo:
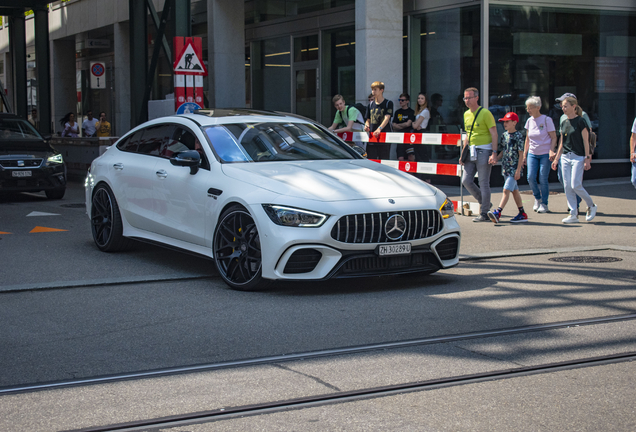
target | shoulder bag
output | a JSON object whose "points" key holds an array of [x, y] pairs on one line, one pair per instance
{"points": [[465, 155]]}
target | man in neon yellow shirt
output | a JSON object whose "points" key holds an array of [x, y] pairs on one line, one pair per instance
{"points": [[481, 136]]}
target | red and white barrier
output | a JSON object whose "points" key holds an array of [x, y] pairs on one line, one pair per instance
{"points": [[404, 138], [423, 167]]}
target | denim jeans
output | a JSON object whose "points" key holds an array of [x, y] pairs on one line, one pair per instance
{"points": [[560, 176], [634, 174], [572, 168], [539, 164], [483, 169]]}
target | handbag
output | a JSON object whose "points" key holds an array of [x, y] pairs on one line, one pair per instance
{"points": [[465, 154]]}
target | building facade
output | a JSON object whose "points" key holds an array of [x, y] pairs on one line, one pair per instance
{"points": [[291, 55]]}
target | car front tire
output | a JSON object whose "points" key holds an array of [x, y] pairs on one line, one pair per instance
{"points": [[237, 250], [55, 194], [106, 223]]}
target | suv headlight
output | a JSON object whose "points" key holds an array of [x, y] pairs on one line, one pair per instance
{"points": [[447, 209], [293, 217], [55, 159]]}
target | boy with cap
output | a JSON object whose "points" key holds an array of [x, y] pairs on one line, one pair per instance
{"points": [[510, 151]]}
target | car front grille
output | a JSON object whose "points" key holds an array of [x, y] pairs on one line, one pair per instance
{"points": [[27, 163], [370, 227], [368, 265]]}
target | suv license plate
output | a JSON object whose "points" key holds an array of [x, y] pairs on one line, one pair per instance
{"points": [[21, 174], [394, 249]]}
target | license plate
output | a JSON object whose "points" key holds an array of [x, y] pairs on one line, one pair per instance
{"points": [[394, 249], [21, 174]]}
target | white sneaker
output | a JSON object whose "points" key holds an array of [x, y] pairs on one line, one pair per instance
{"points": [[543, 208], [571, 219], [591, 213], [536, 205]]}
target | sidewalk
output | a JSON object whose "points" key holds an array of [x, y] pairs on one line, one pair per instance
{"points": [[615, 222]]}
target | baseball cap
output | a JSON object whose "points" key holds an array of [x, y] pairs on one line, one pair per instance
{"points": [[565, 95], [510, 116]]}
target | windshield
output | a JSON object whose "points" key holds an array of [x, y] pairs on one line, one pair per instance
{"points": [[17, 129], [265, 142]]}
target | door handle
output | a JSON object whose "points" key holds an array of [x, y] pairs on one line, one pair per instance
{"points": [[162, 174], [118, 166]]}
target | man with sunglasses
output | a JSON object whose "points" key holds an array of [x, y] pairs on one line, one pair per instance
{"points": [[402, 121]]}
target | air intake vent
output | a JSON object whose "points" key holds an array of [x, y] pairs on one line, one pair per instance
{"points": [[303, 261], [447, 249]]}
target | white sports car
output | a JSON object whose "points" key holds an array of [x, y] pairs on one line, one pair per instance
{"points": [[269, 196]]}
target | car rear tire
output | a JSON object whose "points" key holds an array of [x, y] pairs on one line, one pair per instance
{"points": [[55, 194], [237, 250], [106, 223]]}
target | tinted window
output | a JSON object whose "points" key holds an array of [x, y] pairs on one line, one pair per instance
{"points": [[182, 140], [131, 143], [154, 139], [17, 129]]}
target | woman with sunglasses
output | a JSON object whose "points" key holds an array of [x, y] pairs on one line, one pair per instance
{"points": [[574, 152]]}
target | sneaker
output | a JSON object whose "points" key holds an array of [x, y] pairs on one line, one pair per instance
{"points": [[591, 213], [481, 218], [571, 219], [521, 217], [494, 216], [536, 205], [543, 208]]}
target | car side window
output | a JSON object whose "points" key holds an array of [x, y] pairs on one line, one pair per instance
{"points": [[154, 138], [131, 143], [183, 139]]}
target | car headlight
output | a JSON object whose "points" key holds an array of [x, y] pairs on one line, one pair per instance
{"points": [[293, 217], [55, 159], [447, 209]]}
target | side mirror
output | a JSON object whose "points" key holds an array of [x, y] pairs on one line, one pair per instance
{"points": [[188, 158]]}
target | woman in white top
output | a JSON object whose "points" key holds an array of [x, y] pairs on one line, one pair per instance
{"points": [[71, 128], [539, 150], [422, 114]]}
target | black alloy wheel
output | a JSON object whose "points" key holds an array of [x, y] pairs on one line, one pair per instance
{"points": [[237, 250], [106, 224]]}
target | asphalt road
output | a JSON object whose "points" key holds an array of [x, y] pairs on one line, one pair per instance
{"points": [[68, 311]]}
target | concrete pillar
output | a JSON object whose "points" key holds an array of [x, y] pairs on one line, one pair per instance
{"points": [[43, 56], [379, 47], [121, 88], [63, 77], [226, 53]]}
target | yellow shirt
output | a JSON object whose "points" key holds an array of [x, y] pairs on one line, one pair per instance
{"points": [[103, 129], [481, 132]]}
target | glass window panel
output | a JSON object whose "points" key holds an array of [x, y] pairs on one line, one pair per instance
{"points": [[271, 74], [545, 52], [338, 70], [306, 48]]}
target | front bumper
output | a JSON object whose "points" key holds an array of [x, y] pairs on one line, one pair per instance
{"points": [[41, 178]]}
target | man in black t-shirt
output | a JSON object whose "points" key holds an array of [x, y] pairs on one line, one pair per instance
{"points": [[402, 121], [378, 120]]}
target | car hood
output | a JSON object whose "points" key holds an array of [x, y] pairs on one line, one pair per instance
{"points": [[24, 148], [331, 180]]}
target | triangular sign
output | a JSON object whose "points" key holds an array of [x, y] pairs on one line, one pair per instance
{"points": [[190, 62], [39, 229]]}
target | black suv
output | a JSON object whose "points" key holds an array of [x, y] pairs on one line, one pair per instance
{"points": [[27, 162]]}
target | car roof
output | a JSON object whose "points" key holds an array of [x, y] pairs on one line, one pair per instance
{"points": [[241, 115]]}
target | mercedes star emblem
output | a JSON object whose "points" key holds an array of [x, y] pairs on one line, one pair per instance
{"points": [[395, 227]]}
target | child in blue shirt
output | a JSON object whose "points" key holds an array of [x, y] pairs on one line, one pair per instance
{"points": [[510, 152]]}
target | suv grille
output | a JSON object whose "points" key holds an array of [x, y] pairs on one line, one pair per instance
{"points": [[369, 227], [28, 163]]}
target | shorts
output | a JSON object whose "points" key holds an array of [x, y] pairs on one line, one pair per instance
{"points": [[510, 183]]}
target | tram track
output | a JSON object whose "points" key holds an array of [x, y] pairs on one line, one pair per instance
{"points": [[361, 394], [316, 354]]}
